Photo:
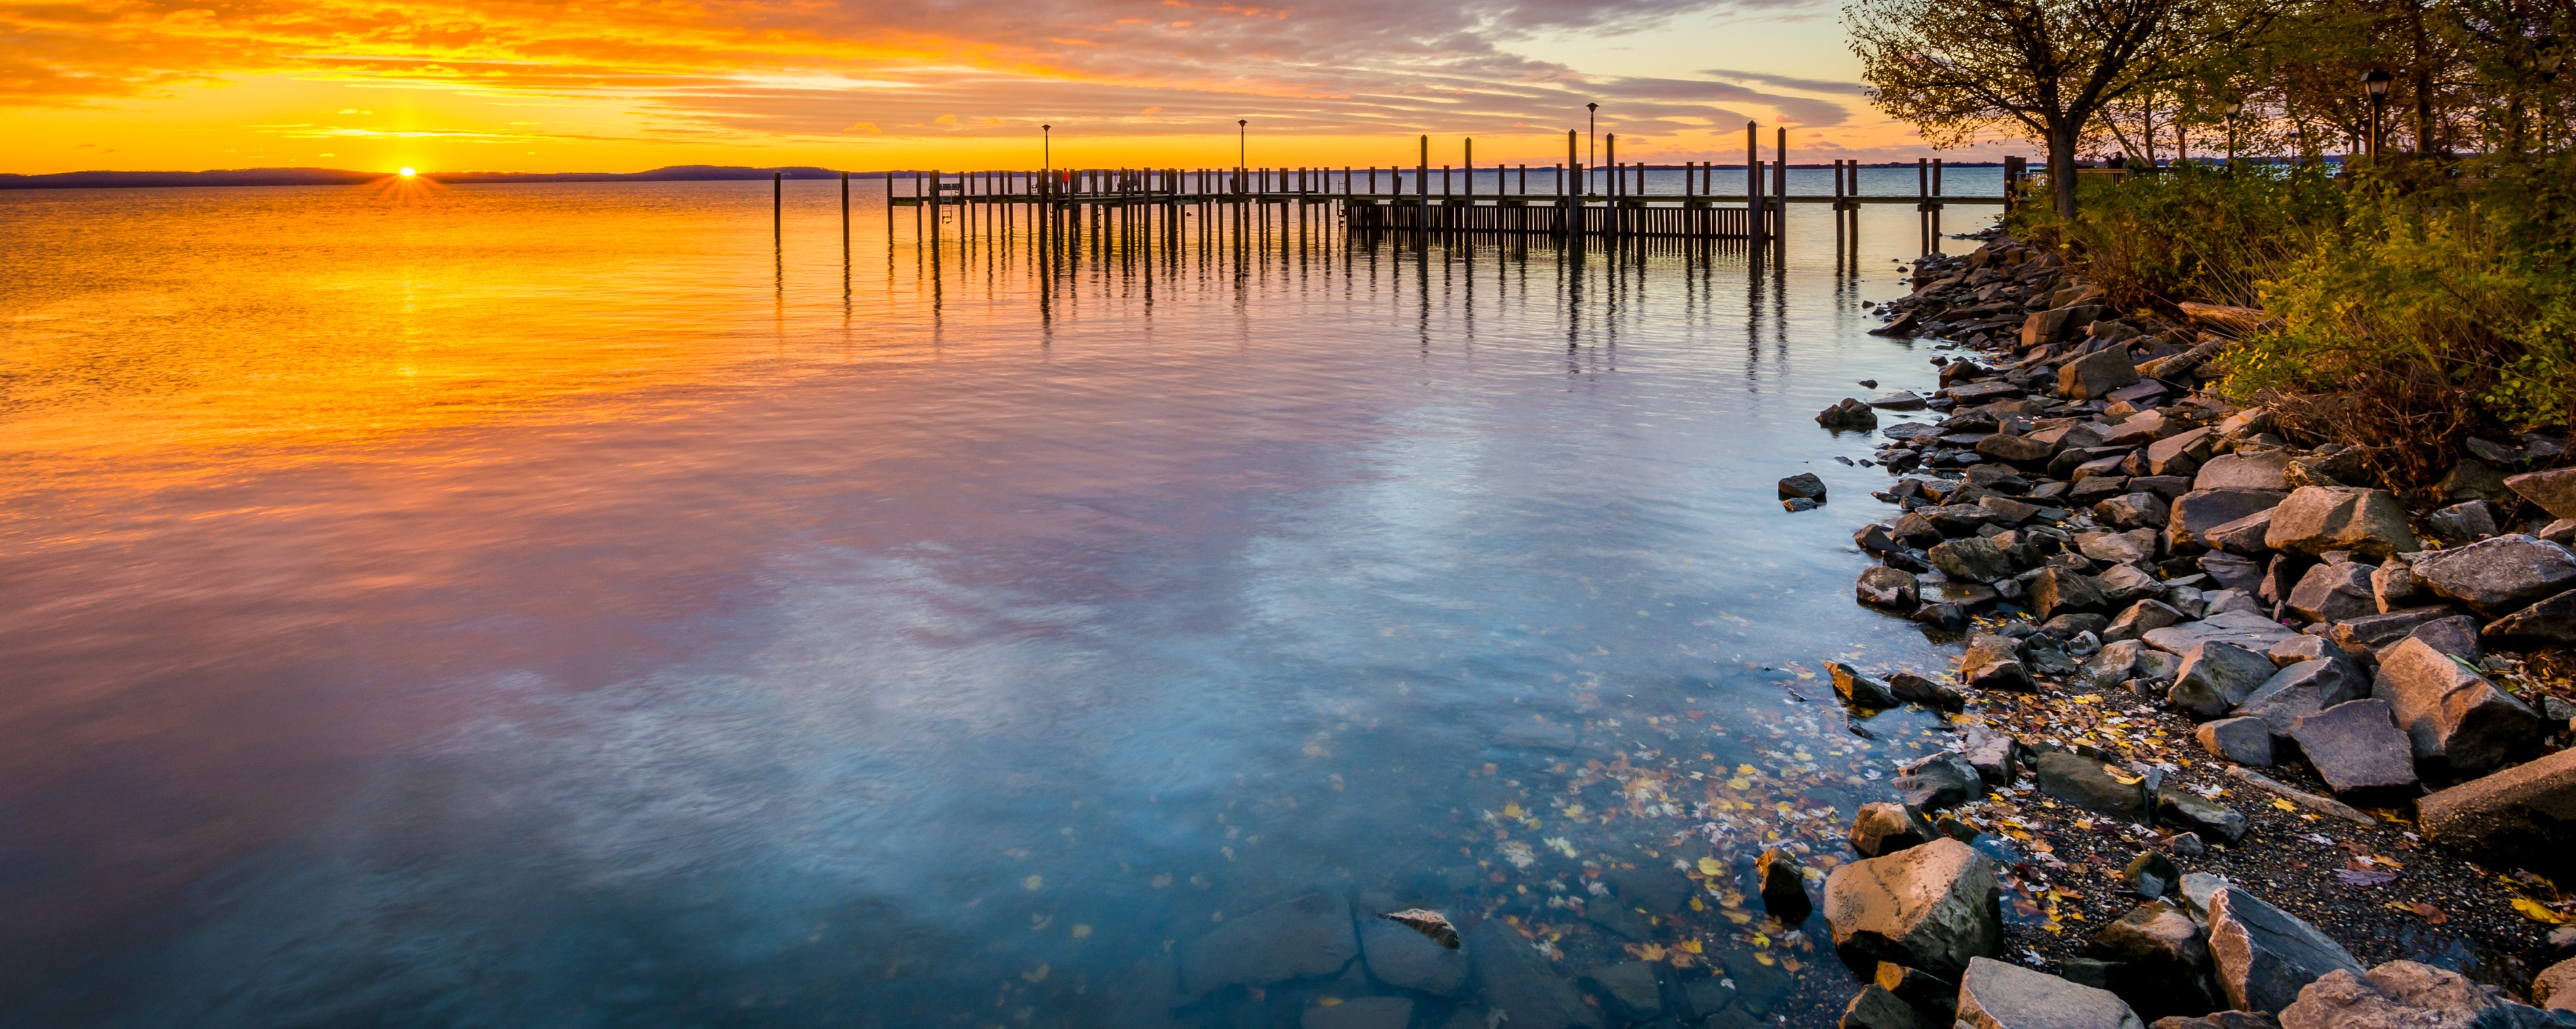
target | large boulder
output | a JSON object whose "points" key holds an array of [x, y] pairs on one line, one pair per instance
{"points": [[1997, 995], [2266, 955], [2160, 961], [2218, 675], [2334, 592], [2242, 740], [1876, 1008], [1784, 886], [2141, 618], [1932, 907], [2315, 519], [1520, 984], [1993, 662], [1397, 955], [2523, 816], [1308, 936], [2193, 514], [1848, 413], [2499, 575], [2056, 591], [2552, 620], [2457, 720], [2553, 490], [2357, 749], [1860, 689], [1892, 588], [2406, 995], [1359, 1013], [2094, 375]]}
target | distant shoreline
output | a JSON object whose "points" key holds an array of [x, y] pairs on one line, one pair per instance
{"points": [[677, 173]]}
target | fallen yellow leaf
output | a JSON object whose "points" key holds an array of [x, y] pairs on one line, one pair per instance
{"points": [[1710, 866], [2533, 910]]}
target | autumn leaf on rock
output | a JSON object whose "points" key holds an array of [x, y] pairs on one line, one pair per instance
{"points": [[1427, 922]]}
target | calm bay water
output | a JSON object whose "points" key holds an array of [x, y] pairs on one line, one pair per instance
{"points": [[552, 605]]}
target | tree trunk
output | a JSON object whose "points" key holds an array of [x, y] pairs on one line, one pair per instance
{"points": [[2061, 167]]}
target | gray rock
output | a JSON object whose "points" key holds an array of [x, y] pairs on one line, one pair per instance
{"points": [[1915, 689], [2199, 889], [2015, 449], [2150, 874], [2456, 635], [2405, 995], [1848, 413], [2242, 536], [2094, 375], [1993, 662], [1803, 484], [2303, 689], [1875, 1008], [2182, 809], [2366, 634], [2055, 591], [1938, 782], [2356, 748], [1972, 559], [1995, 995], [1892, 588], [1308, 936], [2141, 618], [2466, 520], [2180, 453], [2113, 663], [2245, 629], [1659, 890], [1882, 829], [2161, 963], [2301, 648], [2265, 955], [2121, 584], [2551, 620], [2332, 593], [2194, 514], [2500, 575], [1704, 998], [2457, 720], [2554, 490], [1628, 989], [1359, 1013], [1932, 907], [1520, 984], [1859, 689], [1784, 886], [1399, 956], [2231, 571], [2218, 675], [2117, 547], [2245, 741], [2256, 470], [2550, 987], [2133, 510], [2393, 584], [1620, 918], [1897, 400], [2523, 816], [1996, 756], [2314, 519], [2094, 786]]}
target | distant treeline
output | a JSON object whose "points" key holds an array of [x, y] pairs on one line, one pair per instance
{"points": [[338, 177]]}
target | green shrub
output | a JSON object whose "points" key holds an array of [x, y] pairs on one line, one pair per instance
{"points": [[2191, 233], [2423, 317]]}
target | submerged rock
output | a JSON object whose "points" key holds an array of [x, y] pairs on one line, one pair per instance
{"points": [[1398, 955], [1520, 984], [1308, 936]]}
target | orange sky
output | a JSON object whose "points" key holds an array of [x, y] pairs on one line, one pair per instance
{"points": [[622, 85]]}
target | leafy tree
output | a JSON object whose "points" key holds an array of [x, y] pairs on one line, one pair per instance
{"points": [[2047, 68]]}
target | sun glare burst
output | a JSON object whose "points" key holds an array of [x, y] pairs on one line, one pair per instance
{"points": [[409, 171]]}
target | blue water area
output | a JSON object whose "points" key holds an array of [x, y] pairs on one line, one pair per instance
{"points": [[564, 605]]}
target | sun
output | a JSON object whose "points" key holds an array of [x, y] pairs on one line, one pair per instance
{"points": [[409, 171]]}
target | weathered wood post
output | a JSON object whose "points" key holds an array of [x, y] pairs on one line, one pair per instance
{"points": [[1752, 184], [777, 206], [1923, 202], [1422, 190], [1568, 201], [1936, 205], [1610, 160]]}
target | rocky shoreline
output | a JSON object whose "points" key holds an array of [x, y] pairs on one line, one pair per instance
{"points": [[2237, 738], [2233, 713]]}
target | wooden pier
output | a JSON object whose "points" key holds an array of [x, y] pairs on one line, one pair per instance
{"points": [[1573, 203]]}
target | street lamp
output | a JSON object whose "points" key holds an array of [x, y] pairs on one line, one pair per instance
{"points": [[2235, 105], [1591, 121], [2377, 84], [1046, 148]]}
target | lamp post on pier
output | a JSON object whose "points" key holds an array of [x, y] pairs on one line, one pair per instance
{"points": [[2235, 107], [1240, 149], [1591, 156], [2376, 84]]}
